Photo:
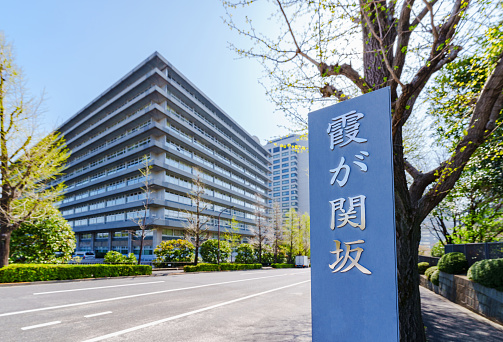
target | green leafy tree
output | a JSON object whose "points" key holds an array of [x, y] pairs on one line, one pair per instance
{"points": [[320, 52], [276, 229], [196, 230], [291, 230], [302, 240], [29, 161], [48, 239], [174, 251], [438, 249], [232, 235], [209, 250], [475, 205], [142, 219], [261, 231], [245, 254]]}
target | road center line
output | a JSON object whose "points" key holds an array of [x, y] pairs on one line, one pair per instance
{"points": [[40, 325], [147, 325], [98, 314], [99, 287], [133, 296]]}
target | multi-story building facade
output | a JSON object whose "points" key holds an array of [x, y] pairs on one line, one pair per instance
{"points": [[289, 173], [154, 112]]}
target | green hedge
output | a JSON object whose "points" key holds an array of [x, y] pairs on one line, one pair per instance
{"points": [[283, 265], [453, 263], [422, 267], [488, 273], [430, 271], [435, 277], [37, 272], [235, 267], [222, 267]]}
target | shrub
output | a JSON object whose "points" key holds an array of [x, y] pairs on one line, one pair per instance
{"points": [[283, 265], [245, 254], [174, 250], [435, 277], [221, 267], [453, 263], [209, 250], [131, 259], [46, 240], [114, 257], [438, 249], [235, 267], [488, 273], [430, 271], [423, 266], [37, 272], [201, 268]]}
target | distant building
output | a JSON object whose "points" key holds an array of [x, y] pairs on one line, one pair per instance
{"points": [[289, 173], [157, 112]]}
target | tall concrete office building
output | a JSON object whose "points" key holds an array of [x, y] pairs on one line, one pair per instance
{"points": [[289, 173], [156, 112]]}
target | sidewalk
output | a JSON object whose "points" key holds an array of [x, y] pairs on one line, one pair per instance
{"points": [[446, 321]]}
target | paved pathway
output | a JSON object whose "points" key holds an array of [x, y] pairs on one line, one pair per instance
{"points": [[446, 321]]}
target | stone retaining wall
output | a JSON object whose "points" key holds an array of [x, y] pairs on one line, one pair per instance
{"points": [[459, 289]]}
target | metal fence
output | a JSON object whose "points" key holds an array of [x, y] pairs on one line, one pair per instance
{"points": [[433, 261], [477, 251]]}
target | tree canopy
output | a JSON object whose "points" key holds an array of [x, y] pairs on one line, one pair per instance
{"points": [[29, 160], [319, 52]]}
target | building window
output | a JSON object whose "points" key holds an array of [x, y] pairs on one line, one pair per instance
{"points": [[294, 175], [285, 193], [276, 177], [284, 171], [284, 159], [276, 161], [284, 153], [293, 169], [86, 236], [284, 165], [121, 234], [285, 205], [276, 189], [276, 194], [284, 176], [275, 183], [276, 172], [276, 167], [285, 199], [276, 149], [102, 235], [285, 182]]}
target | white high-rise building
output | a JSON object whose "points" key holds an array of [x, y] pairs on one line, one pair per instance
{"points": [[289, 184]]}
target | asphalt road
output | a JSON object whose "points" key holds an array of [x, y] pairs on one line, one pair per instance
{"points": [[258, 305]]}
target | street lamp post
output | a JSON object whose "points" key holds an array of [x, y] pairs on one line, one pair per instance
{"points": [[221, 211]]}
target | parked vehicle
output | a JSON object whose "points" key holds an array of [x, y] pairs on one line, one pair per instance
{"points": [[301, 261], [84, 255]]}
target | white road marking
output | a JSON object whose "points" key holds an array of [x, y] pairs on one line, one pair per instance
{"points": [[98, 314], [100, 287], [40, 325], [148, 325], [133, 296]]}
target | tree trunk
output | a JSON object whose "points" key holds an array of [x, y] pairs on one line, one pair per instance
{"points": [[409, 300], [4, 248], [141, 249]]}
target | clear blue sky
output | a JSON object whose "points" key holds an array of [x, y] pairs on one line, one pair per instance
{"points": [[74, 50]]}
